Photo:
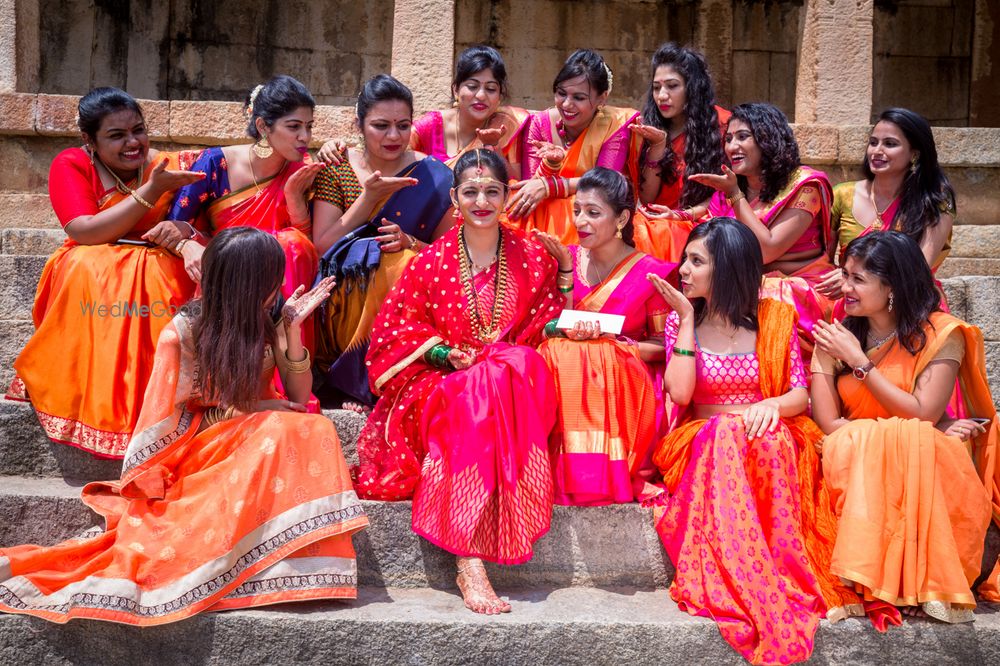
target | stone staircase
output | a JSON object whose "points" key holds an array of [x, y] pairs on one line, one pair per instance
{"points": [[593, 593]]}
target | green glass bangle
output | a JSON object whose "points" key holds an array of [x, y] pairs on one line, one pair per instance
{"points": [[683, 352], [565, 290], [551, 330], [437, 356]]}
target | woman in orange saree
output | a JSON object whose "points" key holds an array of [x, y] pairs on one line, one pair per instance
{"points": [[609, 408], [107, 293], [563, 142], [745, 518], [230, 497], [682, 131], [465, 413], [911, 486], [263, 184]]}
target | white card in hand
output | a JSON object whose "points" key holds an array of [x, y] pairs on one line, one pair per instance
{"points": [[610, 323]]}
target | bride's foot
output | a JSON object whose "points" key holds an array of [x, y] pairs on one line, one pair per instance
{"points": [[912, 611], [356, 407], [476, 588], [946, 612]]}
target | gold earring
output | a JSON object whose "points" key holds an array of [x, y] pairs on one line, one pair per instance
{"points": [[618, 234], [262, 148], [913, 163], [890, 302], [90, 154]]}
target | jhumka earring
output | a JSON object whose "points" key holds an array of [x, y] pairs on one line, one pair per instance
{"points": [[262, 148], [913, 164], [618, 234], [890, 302]]}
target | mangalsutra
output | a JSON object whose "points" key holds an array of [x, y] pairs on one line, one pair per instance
{"points": [[480, 330]]}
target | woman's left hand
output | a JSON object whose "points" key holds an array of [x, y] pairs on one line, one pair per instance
{"points": [[653, 135], [964, 429], [393, 239], [550, 152], [725, 183], [761, 417], [301, 303], [527, 195], [838, 342]]}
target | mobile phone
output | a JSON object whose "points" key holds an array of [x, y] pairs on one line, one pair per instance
{"points": [[980, 420], [129, 241]]}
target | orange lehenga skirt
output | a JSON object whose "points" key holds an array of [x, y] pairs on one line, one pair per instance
{"points": [[251, 511]]}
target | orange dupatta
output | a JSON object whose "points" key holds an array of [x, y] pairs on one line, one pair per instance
{"points": [[776, 320]]}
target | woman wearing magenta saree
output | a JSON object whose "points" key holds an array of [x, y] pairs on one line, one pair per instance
{"points": [[785, 204], [610, 408], [262, 185], [464, 418]]}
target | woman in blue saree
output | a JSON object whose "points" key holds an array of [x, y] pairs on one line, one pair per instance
{"points": [[368, 227]]}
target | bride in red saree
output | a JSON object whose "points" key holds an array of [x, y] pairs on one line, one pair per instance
{"points": [[465, 413]]}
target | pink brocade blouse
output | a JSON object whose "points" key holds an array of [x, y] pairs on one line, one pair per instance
{"points": [[730, 379]]}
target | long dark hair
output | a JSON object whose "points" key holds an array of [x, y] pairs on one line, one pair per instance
{"points": [[616, 190], [588, 63], [703, 145], [277, 98], [737, 270], [778, 147], [242, 267], [381, 88], [926, 191], [100, 102], [897, 261], [477, 58], [488, 159]]}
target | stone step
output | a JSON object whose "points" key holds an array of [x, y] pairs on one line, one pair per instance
{"points": [[26, 451], [586, 546], [427, 626]]}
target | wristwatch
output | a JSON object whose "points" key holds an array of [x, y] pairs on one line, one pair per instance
{"points": [[861, 372]]}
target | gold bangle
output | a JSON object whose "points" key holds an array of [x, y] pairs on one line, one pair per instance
{"points": [[135, 195], [735, 198], [295, 367], [180, 245]]}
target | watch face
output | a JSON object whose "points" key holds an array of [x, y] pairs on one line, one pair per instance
{"points": [[860, 373]]}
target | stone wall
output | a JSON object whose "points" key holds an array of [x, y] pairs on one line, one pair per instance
{"points": [[765, 50], [923, 58], [212, 50]]}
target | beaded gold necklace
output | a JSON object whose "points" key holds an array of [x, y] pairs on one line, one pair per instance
{"points": [[483, 332]]}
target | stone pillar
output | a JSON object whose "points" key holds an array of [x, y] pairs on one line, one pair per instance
{"points": [[19, 46], [834, 81], [713, 36], [983, 108], [423, 50]]}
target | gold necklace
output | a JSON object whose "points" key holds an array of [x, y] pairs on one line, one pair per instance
{"points": [[879, 224], [119, 185], [252, 175], [483, 332]]}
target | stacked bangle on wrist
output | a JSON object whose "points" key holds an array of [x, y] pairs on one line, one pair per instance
{"points": [[549, 168], [295, 367], [437, 356], [215, 414], [732, 200]]}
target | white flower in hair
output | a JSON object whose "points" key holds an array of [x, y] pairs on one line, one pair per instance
{"points": [[611, 77], [253, 98]]}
